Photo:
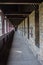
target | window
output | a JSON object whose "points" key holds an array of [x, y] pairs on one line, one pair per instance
{"points": [[0, 26], [5, 26]]}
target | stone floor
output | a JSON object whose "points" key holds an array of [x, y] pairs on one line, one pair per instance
{"points": [[20, 53]]}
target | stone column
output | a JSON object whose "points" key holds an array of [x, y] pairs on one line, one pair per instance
{"points": [[7, 25], [37, 26], [2, 15], [28, 26], [24, 26], [3, 27]]}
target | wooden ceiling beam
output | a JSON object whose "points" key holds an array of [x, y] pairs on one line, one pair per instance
{"points": [[16, 14], [15, 18], [13, 3]]}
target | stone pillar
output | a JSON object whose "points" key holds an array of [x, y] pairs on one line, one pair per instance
{"points": [[26, 30], [28, 26], [37, 26], [7, 26], [3, 27], [2, 15], [0, 22], [24, 26]]}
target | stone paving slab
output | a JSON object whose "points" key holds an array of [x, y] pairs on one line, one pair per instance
{"points": [[20, 53]]}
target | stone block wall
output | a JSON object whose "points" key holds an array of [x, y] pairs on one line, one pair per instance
{"points": [[41, 31], [35, 31], [32, 27]]}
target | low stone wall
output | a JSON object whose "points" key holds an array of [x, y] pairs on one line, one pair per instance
{"points": [[5, 45]]}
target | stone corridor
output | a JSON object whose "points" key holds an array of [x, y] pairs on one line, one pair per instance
{"points": [[20, 53]]}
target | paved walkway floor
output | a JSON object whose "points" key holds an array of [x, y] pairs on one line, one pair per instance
{"points": [[20, 53]]}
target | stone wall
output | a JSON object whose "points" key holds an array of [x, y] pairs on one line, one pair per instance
{"points": [[32, 27], [41, 32], [35, 32]]}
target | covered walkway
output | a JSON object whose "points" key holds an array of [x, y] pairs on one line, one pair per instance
{"points": [[22, 19], [20, 53]]}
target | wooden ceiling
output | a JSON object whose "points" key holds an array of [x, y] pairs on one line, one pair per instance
{"points": [[17, 10], [18, 1]]}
